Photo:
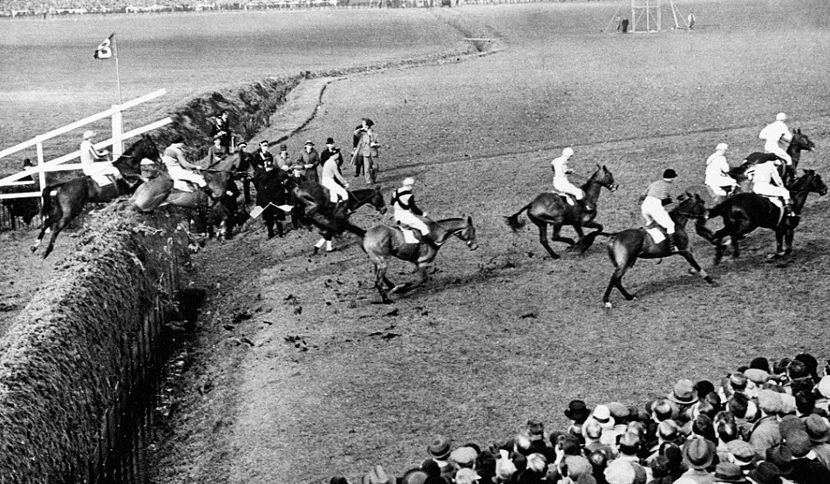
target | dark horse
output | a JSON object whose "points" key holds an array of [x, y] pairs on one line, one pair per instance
{"points": [[799, 143], [382, 242], [272, 192], [627, 246], [328, 216], [745, 212], [552, 208], [63, 202]]}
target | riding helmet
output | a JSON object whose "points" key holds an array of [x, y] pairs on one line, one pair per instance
{"points": [[669, 174]]}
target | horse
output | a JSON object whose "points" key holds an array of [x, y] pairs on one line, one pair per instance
{"points": [[25, 208], [552, 208], [627, 246], [63, 202], [745, 212], [271, 192], [799, 143], [382, 241], [323, 213]]}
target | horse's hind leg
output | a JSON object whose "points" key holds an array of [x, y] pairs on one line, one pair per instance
{"points": [[543, 239], [62, 223], [616, 281]]}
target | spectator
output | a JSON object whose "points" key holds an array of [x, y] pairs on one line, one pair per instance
{"points": [[683, 397], [466, 476], [282, 159], [262, 158], [818, 431], [660, 471], [729, 473], [765, 473], [365, 154], [221, 129], [742, 454], [765, 433], [305, 168], [439, 450], [691, 20], [464, 457], [216, 153], [699, 454], [805, 469], [327, 153]]}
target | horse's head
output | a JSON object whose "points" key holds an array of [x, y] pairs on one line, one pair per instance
{"points": [[800, 141], [814, 183], [129, 163], [468, 234], [219, 175], [377, 200], [691, 206], [604, 177]]}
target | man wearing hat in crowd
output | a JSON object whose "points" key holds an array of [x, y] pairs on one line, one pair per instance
{"points": [[245, 164], [729, 473], [282, 160], [592, 433], [742, 454], [262, 158], [782, 458], [578, 412], [217, 152], [327, 153], [464, 457], [818, 430], [717, 172], [682, 398], [698, 454], [806, 469], [96, 164], [765, 473], [222, 130], [766, 431], [655, 197], [439, 450], [365, 151], [667, 433], [305, 168]]}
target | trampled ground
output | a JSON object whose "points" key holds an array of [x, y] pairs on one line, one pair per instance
{"points": [[332, 383]]}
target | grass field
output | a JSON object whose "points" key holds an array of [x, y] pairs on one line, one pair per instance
{"points": [[504, 334]]}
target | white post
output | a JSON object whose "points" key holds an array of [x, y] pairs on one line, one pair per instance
{"points": [[41, 174], [117, 131]]}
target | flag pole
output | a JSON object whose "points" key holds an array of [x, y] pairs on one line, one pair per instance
{"points": [[117, 76]]}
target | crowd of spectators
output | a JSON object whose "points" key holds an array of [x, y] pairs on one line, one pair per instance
{"points": [[761, 424]]}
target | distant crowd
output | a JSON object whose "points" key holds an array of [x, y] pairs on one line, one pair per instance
{"points": [[761, 424]]}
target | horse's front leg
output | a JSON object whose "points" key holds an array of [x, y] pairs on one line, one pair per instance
{"points": [[788, 241], [580, 237], [557, 227], [381, 282], [699, 270], [585, 243], [779, 245]]}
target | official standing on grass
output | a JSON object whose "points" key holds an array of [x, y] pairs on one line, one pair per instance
{"points": [[365, 154]]}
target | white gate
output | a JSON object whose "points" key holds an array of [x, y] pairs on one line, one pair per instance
{"points": [[59, 164]]}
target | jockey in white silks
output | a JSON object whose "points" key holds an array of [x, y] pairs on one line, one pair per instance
{"points": [[332, 179], [407, 213], [560, 176], [773, 134], [766, 181], [96, 164], [179, 168], [717, 172], [656, 196]]}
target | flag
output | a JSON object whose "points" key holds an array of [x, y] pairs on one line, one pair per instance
{"points": [[104, 51]]}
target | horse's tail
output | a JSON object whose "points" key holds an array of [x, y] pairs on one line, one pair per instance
{"points": [[46, 197], [513, 221]]}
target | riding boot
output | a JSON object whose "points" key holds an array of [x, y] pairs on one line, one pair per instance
{"points": [[673, 243], [788, 208]]}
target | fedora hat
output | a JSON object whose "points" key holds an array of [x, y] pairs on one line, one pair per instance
{"points": [[765, 473], [782, 457], [329, 141], [699, 453], [817, 428], [577, 410], [602, 414], [683, 393], [729, 472], [439, 448], [308, 142]]}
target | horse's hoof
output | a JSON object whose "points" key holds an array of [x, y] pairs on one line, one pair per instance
{"points": [[633, 298], [608, 304], [775, 256]]}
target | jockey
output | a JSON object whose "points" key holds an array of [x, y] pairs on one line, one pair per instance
{"points": [[407, 213], [560, 177], [717, 172], [656, 196], [96, 164], [178, 167], [333, 179], [773, 133], [767, 182]]}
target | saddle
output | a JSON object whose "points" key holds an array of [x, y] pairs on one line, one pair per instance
{"points": [[410, 235], [567, 197], [778, 205], [656, 232]]}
